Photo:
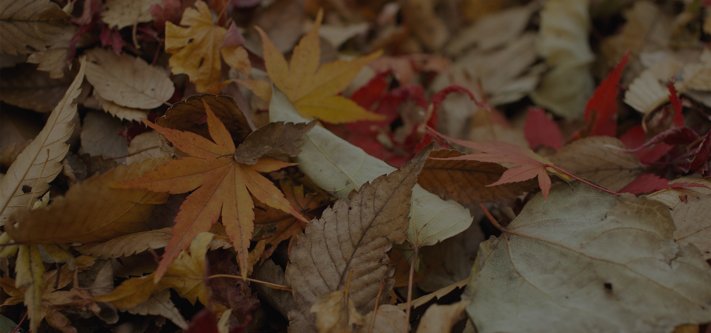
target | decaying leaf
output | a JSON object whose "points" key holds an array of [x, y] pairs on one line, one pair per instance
{"points": [[160, 305], [127, 245], [28, 88], [586, 261], [91, 211], [124, 13], [313, 87], [466, 181], [29, 176], [189, 115], [101, 136], [277, 140], [127, 81], [339, 167], [336, 313], [29, 26], [221, 187], [348, 245], [603, 160], [441, 318], [30, 276]]}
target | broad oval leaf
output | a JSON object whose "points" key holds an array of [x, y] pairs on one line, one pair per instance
{"points": [[339, 167], [586, 261]]}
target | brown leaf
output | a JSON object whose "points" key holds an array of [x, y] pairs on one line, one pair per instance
{"points": [[466, 181], [126, 245], [160, 305], [278, 140], [388, 318], [91, 211], [31, 25], [349, 243], [441, 318], [335, 313], [28, 88], [600, 159], [189, 115]]}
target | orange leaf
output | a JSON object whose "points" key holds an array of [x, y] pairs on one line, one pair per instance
{"points": [[221, 185]]}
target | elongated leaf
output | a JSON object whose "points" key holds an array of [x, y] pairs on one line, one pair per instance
{"points": [[29, 176], [27, 26], [349, 243], [91, 211], [339, 167], [586, 261], [30, 276], [124, 246]]}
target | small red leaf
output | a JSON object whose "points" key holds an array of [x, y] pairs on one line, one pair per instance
{"points": [[646, 183], [676, 104], [701, 156], [601, 109], [541, 130]]}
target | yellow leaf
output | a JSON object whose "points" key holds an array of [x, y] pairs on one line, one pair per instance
{"points": [[130, 293], [195, 48], [187, 274], [30, 276], [313, 88]]}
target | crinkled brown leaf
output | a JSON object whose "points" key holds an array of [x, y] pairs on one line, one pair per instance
{"points": [[189, 115], [91, 211], [278, 140], [349, 243], [466, 181]]}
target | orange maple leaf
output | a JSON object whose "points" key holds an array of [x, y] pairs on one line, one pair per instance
{"points": [[221, 187]]}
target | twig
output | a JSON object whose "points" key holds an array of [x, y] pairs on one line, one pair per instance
{"points": [[237, 277]]}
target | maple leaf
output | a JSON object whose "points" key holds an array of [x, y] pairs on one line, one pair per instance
{"points": [[601, 109], [313, 87], [541, 130], [196, 48], [521, 163], [220, 185]]}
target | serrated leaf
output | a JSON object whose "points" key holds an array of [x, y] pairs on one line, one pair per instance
{"points": [[124, 13], [313, 87], [348, 245], [28, 26], [91, 211], [160, 305], [586, 261], [127, 245], [30, 276], [29, 176], [340, 167], [127, 81]]}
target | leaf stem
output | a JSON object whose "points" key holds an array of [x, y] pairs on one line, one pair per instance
{"points": [[493, 220], [582, 180], [265, 283], [410, 280]]}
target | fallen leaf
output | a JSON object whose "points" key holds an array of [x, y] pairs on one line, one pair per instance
{"points": [[336, 313], [160, 304], [29, 176], [100, 136], [149, 145], [127, 245], [313, 87], [386, 318], [602, 160], [91, 211], [276, 140], [449, 261], [30, 276], [338, 167], [220, 185], [442, 318], [493, 30], [125, 13], [29, 26], [421, 18], [564, 45], [189, 115], [203, 322], [646, 183], [522, 164], [28, 88], [118, 111], [188, 273], [466, 181], [601, 109], [127, 81], [195, 47], [323, 260], [586, 261], [541, 130]]}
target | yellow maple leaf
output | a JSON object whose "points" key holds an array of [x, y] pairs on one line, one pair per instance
{"points": [[220, 185], [195, 48], [312, 87]]}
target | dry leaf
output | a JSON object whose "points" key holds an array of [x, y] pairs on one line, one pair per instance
{"points": [[100, 136], [195, 47], [564, 44], [466, 180], [277, 140], [388, 318], [600, 159], [124, 13], [29, 26], [449, 261], [189, 115], [221, 187], [91, 211], [493, 30], [160, 305], [586, 261], [127, 81], [30, 276], [119, 111], [327, 257], [149, 145], [339, 167], [18, 129], [28, 88], [313, 87], [188, 273], [421, 18], [127, 245], [29, 176], [442, 318], [335, 313]]}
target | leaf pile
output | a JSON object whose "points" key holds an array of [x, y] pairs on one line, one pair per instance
{"points": [[355, 166]]}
